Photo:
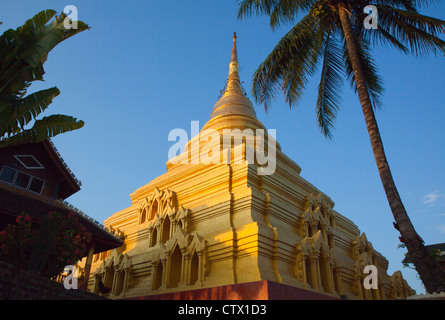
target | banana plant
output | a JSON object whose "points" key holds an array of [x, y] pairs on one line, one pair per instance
{"points": [[23, 52]]}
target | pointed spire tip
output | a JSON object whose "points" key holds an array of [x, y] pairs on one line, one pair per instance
{"points": [[234, 58]]}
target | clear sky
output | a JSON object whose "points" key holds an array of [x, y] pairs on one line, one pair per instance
{"points": [[147, 67]]}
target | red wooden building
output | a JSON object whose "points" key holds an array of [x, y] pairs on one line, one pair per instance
{"points": [[35, 179]]}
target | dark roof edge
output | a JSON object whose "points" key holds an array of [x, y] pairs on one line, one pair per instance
{"points": [[64, 166]]}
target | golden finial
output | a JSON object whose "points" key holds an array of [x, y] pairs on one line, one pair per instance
{"points": [[233, 84], [234, 65], [233, 100], [234, 53]]}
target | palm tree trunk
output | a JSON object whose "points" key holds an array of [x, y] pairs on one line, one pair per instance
{"points": [[432, 276]]}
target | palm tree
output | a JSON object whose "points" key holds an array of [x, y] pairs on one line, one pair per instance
{"points": [[22, 54], [333, 34]]}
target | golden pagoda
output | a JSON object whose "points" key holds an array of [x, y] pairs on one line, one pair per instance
{"points": [[236, 226]]}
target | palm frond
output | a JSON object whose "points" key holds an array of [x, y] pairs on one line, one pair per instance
{"points": [[279, 10], [417, 32], [329, 89], [288, 65], [255, 7], [303, 64], [423, 3], [297, 54], [384, 37], [287, 10], [401, 4]]}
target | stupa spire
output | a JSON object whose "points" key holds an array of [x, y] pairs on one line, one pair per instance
{"points": [[233, 81], [233, 108], [234, 60]]}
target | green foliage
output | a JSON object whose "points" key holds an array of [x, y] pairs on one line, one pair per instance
{"points": [[45, 249], [435, 254], [22, 54], [317, 41]]}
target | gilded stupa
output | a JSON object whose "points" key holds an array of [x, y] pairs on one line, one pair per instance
{"points": [[223, 229]]}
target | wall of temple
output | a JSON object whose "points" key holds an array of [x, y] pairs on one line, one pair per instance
{"points": [[200, 226], [221, 221]]}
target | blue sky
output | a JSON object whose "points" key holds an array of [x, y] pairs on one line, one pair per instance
{"points": [[147, 67]]}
